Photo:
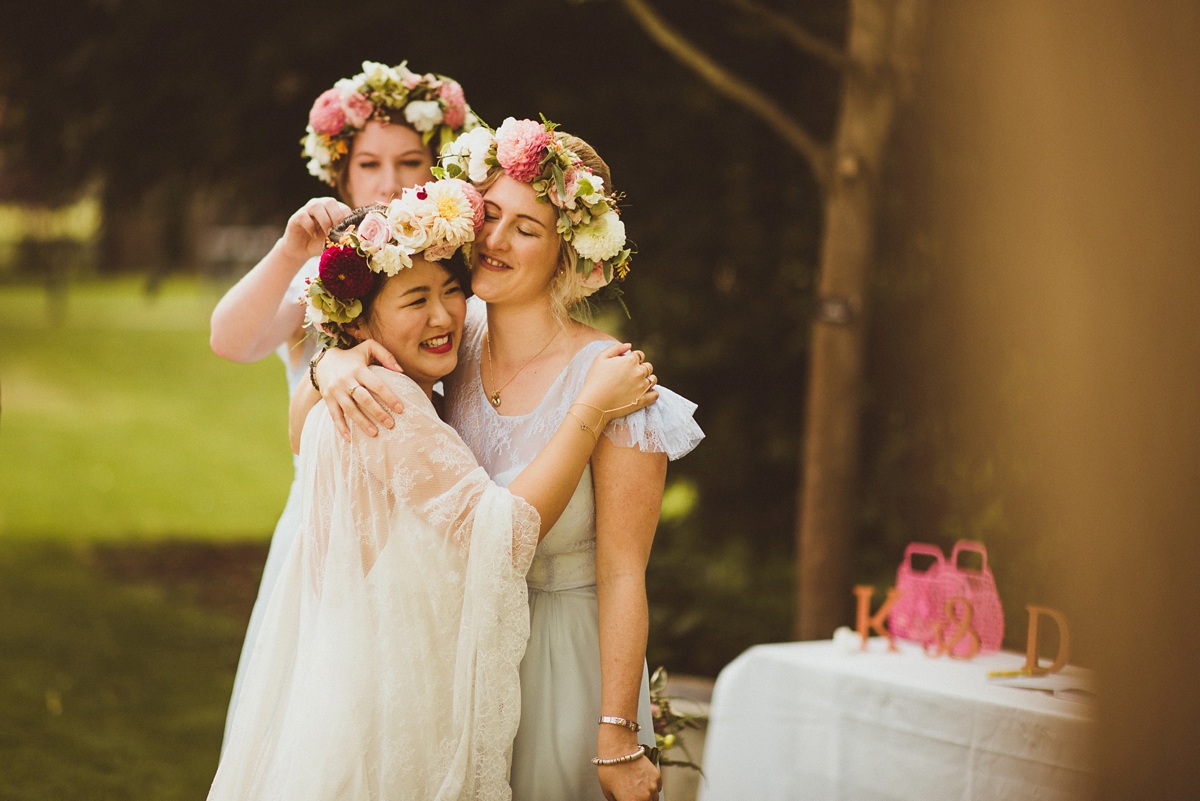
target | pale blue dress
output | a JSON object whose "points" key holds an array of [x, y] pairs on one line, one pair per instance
{"points": [[296, 363], [560, 673]]}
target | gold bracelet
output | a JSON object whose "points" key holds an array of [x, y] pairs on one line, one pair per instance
{"points": [[604, 412], [638, 754], [632, 725], [584, 426]]}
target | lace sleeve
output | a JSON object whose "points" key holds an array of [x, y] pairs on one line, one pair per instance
{"points": [[421, 463], [666, 426]]}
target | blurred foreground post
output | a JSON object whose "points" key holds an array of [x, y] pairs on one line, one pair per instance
{"points": [[1069, 224], [877, 70]]}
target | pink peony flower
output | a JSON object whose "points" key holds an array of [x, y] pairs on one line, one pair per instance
{"points": [[357, 109], [520, 145], [327, 116], [374, 232], [345, 274], [456, 104]]}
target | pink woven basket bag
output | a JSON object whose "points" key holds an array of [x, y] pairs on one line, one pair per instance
{"points": [[921, 603], [978, 587]]}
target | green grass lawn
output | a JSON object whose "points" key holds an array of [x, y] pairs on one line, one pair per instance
{"points": [[120, 423], [140, 477], [110, 687]]}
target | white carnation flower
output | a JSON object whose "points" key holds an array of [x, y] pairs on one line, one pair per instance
{"points": [[597, 185], [478, 143], [601, 239], [378, 76], [391, 260], [424, 115], [313, 316], [318, 170]]}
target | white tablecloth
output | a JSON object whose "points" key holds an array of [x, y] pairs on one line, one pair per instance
{"points": [[810, 720]]}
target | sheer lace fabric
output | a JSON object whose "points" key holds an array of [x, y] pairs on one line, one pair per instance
{"points": [[387, 663], [295, 361]]}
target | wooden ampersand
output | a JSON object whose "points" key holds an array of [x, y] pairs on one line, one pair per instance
{"points": [[867, 621], [962, 629], [1032, 666]]}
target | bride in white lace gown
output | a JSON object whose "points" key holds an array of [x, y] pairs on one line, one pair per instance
{"points": [[260, 315], [386, 666], [521, 366]]}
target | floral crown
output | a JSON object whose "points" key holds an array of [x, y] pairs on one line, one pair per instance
{"points": [[528, 151], [431, 104], [434, 220]]}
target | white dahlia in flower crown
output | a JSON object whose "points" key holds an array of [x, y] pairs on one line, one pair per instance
{"points": [[433, 105], [433, 220], [528, 151]]}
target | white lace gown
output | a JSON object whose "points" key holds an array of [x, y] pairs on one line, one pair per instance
{"points": [[560, 674], [295, 361], [387, 664]]}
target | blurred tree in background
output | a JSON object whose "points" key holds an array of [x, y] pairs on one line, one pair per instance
{"points": [[153, 104]]}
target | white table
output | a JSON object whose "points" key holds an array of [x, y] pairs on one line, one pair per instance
{"points": [[812, 720]]}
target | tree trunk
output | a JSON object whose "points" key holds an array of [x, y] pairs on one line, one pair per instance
{"points": [[882, 45]]}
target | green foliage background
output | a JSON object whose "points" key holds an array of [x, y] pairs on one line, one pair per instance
{"points": [[151, 101]]}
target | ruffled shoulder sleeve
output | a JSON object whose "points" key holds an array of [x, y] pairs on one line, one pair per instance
{"points": [[666, 426]]}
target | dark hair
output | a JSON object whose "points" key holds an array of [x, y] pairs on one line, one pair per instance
{"points": [[455, 265]]}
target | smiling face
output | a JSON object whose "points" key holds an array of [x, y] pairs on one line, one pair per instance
{"points": [[383, 160], [418, 316], [515, 256]]}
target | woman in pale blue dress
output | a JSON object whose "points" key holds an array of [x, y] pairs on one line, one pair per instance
{"points": [[263, 312], [520, 367]]}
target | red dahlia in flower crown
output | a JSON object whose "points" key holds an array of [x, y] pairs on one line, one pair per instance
{"points": [[433, 105], [528, 151], [345, 273], [432, 221]]}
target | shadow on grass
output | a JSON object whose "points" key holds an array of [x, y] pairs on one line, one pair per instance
{"points": [[116, 664]]}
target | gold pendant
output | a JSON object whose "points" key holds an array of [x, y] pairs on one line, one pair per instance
{"points": [[496, 399]]}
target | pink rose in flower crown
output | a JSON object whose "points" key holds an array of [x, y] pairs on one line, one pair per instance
{"points": [[439, 252], [456, 104], [595, 279], [520, 146], [374, 232], [326, 116], [357, 108], [571, 184]]}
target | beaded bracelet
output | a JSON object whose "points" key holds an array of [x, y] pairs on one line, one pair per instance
{"points": [[312, 369], [638, 754]]}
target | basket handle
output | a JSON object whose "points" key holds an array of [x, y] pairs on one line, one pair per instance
{"points": [[969, 545], [926, 549]]}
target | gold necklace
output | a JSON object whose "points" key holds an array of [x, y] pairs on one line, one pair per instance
{"points": [[495, 396]]}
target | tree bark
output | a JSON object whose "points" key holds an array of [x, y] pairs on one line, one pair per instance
{"points": [[882, 43]]}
